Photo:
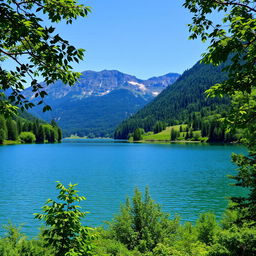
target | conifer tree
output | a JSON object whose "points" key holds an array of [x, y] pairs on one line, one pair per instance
{"points": [[11, 129], [59, 134], [3, 127], [2, 135], [40, 136], [52, 138], [19, 126], [137, 135]]}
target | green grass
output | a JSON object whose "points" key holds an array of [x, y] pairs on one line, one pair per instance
{"points": [[11, 142], [165, 134]]}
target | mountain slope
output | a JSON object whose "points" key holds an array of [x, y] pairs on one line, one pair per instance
{"points": [[177, 102], [99, 101]]}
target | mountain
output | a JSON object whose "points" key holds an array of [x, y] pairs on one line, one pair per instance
{"points": [[99, 101], [179, 101]]}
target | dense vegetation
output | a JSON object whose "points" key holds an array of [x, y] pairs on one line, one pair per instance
{"points": [[184, 102], [140, 229], [21, 130], [31, 45], [207, 129]]}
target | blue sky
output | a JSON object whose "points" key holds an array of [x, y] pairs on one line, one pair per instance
{"points": [[140, 37]]}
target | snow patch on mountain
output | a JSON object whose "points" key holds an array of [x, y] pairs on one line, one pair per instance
{"points": [[142, 87]]}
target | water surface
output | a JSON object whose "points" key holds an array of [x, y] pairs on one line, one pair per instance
{"points": [[184, 178]]}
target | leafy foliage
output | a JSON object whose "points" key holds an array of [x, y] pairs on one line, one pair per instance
{"points": [[14, 243], [35, 49], [233, 38], [27, 137], [64, 232], [142, 224]]}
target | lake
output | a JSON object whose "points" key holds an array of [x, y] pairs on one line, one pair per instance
{"points": [[186, 179]]}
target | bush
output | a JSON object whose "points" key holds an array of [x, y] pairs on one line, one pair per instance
{"points": [[64, 231], [141, 224], [207, 228], [236, 241], [110, 247], [27, 137], [15, 244]]}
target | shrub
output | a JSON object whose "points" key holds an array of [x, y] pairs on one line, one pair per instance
{"points": [[141, 224], [15, 244], [27, 137], [64, 231], [206, 227]]}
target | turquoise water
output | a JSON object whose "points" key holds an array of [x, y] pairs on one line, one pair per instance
{"points": [[185, 179]]}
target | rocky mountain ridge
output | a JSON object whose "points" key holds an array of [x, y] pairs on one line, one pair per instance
{"points": [[99, 100]]}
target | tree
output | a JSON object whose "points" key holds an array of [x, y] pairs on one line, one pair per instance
{"points": [[53, 123], [35, 49], [19, 125], [64, 231], [59, 134], [206, 227], [2, 135], [27, 137], [159, 126], [137, 134], [11, 129], [3, 127], [233, 42], [52, 137], [174, 134], [141, 224], [40, 136]]}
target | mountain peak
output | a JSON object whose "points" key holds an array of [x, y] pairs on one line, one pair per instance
{"points": [[100, 100]]}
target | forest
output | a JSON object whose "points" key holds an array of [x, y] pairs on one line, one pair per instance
{"points": [[184, 102], [18, 129]]}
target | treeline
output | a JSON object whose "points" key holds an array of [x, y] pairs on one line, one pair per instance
{"points": [[199, 127], [140, 229], [211, 127], [25, 131], [179, 101]]}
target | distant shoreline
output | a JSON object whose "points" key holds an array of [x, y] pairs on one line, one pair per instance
{"points": [[78, 138]]}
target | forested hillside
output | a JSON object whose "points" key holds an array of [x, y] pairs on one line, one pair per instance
{"points": [[181, 102], [25, 128]]}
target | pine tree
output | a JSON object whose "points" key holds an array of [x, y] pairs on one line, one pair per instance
{"points": [[2, 135], [40, 136], [25, 127], [137, 135], [3, 127], [53, 123], [59, 134], [190, 133], [19, 126], [174, 134], [12, 129], [52, 137]]}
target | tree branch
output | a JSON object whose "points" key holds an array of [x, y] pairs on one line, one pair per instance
{"points": [[235, 4]]}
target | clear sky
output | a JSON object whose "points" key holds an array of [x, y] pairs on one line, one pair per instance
{"points": [[140, 37]]}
